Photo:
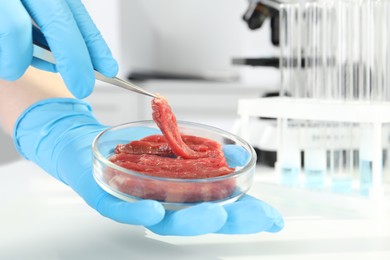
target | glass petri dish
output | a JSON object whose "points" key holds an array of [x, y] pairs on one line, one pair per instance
{"points": [[173, 193]]}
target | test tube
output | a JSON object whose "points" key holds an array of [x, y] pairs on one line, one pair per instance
{"points": [[365, 146], [386, 8], [314, 152], [337, 150], [387, 50], [289, 157], [365, 159]]}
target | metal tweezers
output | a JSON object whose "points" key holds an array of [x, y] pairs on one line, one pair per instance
{"points": [[41, 50]]}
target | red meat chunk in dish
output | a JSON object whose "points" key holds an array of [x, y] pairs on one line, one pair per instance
{"points": [[170, 155]]}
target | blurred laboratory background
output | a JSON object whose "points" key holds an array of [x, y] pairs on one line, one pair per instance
{"points": [[184, 51], [305, 82]]}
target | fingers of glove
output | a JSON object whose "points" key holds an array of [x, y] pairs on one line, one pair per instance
{"points": [[15, 40], [144, 212], [197, 220], [100, 53], [56, 21], [76, 159], [235, 155], [249, 215]]}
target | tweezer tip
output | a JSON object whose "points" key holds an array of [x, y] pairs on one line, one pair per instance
{"points": [[157, 95]]}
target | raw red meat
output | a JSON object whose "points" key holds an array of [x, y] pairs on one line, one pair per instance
{"points": [[166, 121], [171, 155], [154, 144]]}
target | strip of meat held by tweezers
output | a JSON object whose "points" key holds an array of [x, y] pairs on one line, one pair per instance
{"points": [[166, 121]]}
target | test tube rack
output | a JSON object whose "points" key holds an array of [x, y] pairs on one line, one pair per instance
{"points": [[375, 115], [333, 109]]}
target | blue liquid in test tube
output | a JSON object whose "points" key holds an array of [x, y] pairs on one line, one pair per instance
{"points": [[365, 161], [290, 158], [365, 171], [342, 161], [290, 175], [315, 168]]}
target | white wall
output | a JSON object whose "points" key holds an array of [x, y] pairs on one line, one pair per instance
{"points": [[184, 36]]}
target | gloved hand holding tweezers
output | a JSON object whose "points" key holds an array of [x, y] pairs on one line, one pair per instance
{"points": [[74, 40]]}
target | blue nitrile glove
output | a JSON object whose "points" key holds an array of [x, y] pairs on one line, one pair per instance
{"points": [[76, 43], [57, 135]]}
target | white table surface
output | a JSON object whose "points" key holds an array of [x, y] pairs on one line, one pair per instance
{"points": [[43, 219]]}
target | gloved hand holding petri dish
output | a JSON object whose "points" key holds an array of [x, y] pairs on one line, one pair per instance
{"points": [[64, 151]]}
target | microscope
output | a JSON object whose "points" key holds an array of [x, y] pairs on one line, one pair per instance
{"points": [[257, 13]]}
